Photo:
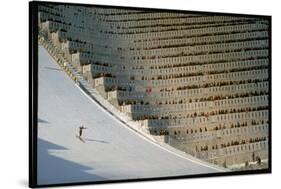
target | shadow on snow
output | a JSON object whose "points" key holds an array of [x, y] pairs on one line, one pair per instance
{"points": [[54, 170], [42, 121], [94, 140]]}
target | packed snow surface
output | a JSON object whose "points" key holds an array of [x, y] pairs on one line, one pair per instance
{"points": [[110, 150]]}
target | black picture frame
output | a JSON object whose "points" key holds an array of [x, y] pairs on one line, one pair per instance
{"points": [[33, 96]]}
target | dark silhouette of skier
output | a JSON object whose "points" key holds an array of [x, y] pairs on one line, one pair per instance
{"points": [[81, 130]]}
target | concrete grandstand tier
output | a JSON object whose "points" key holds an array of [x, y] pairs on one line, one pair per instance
{"points": [[198, 82]]}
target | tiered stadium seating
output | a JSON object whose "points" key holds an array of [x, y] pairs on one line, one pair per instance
{"points": [[199, 81]]}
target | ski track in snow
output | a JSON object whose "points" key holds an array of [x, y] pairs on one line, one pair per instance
{"points": [[110, 151]]}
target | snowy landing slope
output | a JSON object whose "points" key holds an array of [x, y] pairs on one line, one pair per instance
{"points": [[110, 152]]}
